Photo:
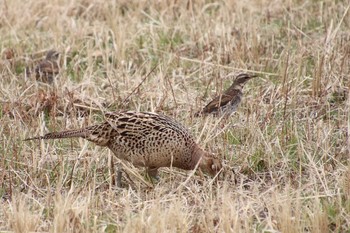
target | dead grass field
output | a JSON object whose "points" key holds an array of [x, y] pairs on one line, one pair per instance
{"points": [[288, 143]]}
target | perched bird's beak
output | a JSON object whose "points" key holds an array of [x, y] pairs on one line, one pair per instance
{"points": [[253, 76]]}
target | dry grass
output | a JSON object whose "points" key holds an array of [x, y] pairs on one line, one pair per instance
{"points": [[288, 143]]}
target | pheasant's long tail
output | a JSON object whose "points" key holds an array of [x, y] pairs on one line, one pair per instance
{"points": [[75, 133]]}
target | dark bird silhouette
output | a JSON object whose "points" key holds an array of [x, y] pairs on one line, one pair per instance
{"points": [[48, 68]]}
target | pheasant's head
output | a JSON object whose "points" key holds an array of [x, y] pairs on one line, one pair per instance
{"points": [[210, 164]]}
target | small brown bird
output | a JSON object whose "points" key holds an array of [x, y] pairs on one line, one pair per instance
{"points": [[48, 68], [8, 54], [228, 102], [146, 139]]}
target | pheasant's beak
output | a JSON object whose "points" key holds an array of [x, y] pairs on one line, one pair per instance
{"points": [[211, 166]]}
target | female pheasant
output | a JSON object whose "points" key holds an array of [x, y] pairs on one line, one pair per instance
{"points": [[146, 139]]}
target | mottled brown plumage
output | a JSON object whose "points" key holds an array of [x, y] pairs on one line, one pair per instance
{"points": [[228, 102], [48, 68], [146, 139]]}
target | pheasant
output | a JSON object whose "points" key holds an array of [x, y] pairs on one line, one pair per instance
{"points": [[228, 102], [148, 140]]}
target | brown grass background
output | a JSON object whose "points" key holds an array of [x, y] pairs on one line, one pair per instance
{"points": [[288, 143]]}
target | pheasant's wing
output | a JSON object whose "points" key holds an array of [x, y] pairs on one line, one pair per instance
{"points": [[131, 126], [142, 124], [121, 121]]}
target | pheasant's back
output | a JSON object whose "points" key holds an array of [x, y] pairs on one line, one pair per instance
{"points": [[149, 139]]}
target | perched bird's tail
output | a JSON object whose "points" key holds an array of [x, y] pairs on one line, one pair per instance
{"points": [[75, 133]]}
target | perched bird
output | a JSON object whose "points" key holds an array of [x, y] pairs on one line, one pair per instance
{"points": [[48, 68], [146, 139], [8, 58], [8, 54], [228, 102]]}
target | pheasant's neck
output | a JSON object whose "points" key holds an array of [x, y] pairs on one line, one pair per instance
{"points": [[197, 154]]}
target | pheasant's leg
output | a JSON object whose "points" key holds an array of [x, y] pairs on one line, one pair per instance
{"points": [[112, 171], [119, 177], [153, 173], [115, 179]]}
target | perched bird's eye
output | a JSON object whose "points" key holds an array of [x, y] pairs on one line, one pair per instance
{"points": [[55, 56]]}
